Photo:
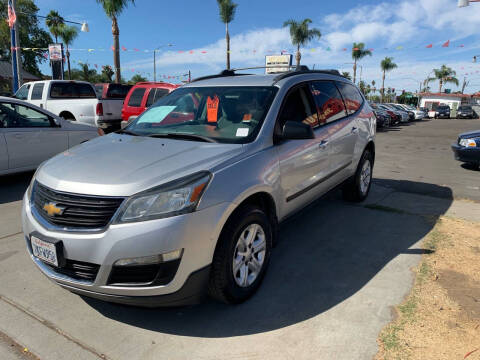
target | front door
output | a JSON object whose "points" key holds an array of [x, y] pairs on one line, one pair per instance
{"points": [[31, 136], [303, 163]]}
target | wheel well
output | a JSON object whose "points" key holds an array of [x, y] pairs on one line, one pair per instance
{"points": [[371, 147], [67, 115]]}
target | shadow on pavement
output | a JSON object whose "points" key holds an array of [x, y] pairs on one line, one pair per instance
{"points": [[12, 187], [472, 167], [326, 254]]}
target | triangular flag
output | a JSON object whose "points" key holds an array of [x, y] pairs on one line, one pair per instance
{"points": [[446, 44], [355, 49], [113, 48], [313, 49], [461, 45], [204, 52], [399, 47], [124, 48], [135, 49], [328, 49], [370, 49], [429, 46]]}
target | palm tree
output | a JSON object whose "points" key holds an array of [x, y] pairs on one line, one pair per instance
{"points": [[386, 65], [87, 74], [346, 75], [107, 73], [227, 13], [358, 53], [68, 34], [444, 75], [301, 34], [113, 9], [54, 23]]}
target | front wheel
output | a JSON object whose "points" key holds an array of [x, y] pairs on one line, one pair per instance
{"points": [[357, 189], [241, 257]]}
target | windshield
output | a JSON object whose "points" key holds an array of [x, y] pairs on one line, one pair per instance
{"points": [[223, 114], [464, 108], [443, 108]]}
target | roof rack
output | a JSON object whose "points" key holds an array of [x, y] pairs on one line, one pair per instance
{"points": [[224, 73], [306, 71]]}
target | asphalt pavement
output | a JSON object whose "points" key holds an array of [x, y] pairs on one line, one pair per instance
{"points": [[333, 278]]}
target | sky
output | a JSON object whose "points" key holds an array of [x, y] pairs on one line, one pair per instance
{"points": [[189, 36]]}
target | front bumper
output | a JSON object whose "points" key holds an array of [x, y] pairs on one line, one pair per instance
{"points": [[464, 116], [196, 233], [468, 155]]}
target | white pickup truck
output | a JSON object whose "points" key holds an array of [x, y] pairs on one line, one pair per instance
{"points": [[72, 100], [112, 96]]}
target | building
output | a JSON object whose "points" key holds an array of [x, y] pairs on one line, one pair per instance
{"points": [[6, 77], [432, 100]]}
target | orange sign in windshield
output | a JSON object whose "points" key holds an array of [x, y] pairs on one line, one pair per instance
{"points": [[212, 109]]}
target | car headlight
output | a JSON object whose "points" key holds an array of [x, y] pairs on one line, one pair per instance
{"points": [[175, 198], [468, 142]]}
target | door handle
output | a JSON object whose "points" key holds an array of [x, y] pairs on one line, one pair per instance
{"points": [[354, 130], [323, 144]]}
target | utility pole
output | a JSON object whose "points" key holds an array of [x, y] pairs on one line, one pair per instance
{"points": [[189, 76], [154, 66], [18, 49], [11, 23], [465, 83]]}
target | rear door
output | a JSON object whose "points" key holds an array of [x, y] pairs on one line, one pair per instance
{"points": [[304, 164], [3, 150], [31, 136], [135, 104], [36, 95]]}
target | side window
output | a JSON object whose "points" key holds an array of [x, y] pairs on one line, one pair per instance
{"points": [[85, 91], [19, 116], [329, 101], [22, 93], [160, 93], [299, 108], [151, 96], [352, 97], [136, 97], [37, 91]]}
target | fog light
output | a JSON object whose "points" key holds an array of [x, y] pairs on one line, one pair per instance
{"points": [[149, 260]]}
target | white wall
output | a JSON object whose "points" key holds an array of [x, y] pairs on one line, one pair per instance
{"points": [[447, 100]]}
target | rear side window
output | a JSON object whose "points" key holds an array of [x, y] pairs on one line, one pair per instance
{"points": [[150, 99], [329, 101], [71, 91], [99, 90], [37, 91], [136, 97], [160, 93], [352, 97], [118, 91]]}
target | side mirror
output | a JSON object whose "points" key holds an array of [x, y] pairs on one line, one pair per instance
{"points": [[293, 130], [57, 122]]}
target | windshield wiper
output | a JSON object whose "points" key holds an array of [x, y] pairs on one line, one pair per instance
{"points": [[185, 136], [127, 132]]}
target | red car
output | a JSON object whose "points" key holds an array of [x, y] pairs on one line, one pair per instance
{"points": [[142, 95]]}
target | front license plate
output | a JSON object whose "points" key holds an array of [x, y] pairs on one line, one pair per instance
{"points": [[44, 250]]}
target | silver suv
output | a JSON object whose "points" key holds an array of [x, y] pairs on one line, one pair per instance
{"points": [[188, 197]]}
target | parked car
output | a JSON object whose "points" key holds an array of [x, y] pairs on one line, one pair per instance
{"points": [[394, 113], [467, 148], [156, 214], [142, 95], [383, 118], [465, 111], [416, 114], [112, 96], [442, 111], [71, 100], [406, 117], [30, 135]]}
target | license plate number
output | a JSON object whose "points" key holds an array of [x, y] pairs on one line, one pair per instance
{"points": [[44, 251]]}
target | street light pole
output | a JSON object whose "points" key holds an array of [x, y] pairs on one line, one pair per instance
{"points": [[18, 51]]}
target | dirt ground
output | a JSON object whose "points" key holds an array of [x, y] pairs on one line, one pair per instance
{"points": [[440, 319]]}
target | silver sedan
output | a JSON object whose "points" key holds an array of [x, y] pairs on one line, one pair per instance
{"points": [[30, 135]]}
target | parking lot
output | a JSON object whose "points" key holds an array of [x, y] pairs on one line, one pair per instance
{"points": [[328, 292]]}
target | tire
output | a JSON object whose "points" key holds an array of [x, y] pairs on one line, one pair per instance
{"points": [[231, 287], [356, 189]]}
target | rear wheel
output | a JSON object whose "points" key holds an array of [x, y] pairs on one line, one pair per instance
{"points": [[241, 257], [358, 187], [67, 116]]}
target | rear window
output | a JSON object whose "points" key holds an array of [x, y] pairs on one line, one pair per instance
{"points": [[118, 91], [136, 97], [72, 91], [37, 91]]}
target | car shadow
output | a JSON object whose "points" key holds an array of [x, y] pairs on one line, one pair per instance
{"points": [[326, 254], [12, 187], [471, 167]]}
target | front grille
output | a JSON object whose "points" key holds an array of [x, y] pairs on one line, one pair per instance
{"points": [[78, 270], [144, 275], [79, 211]]}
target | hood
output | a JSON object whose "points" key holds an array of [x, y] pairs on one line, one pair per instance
{"points": [[470, 134], [122, 165]]}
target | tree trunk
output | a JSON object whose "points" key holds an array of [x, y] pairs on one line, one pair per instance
{"points": [[441, 85], [227, 38], [298, 56], [116, 50], [68, 64], [354, 71], [383, 87], [56, 40]]}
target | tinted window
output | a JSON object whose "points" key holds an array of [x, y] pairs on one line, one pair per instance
{"points": [[99, 90], [136, 97], [160, 93], [150, 98], [352, 97], [71, 90], [118, 91], [37, 91], [329, 102], [19, 116], [298, 108], [465, 108], [22, 93]]}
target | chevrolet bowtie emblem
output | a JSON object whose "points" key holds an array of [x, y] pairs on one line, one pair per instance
{"points": [[52, 209]]}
